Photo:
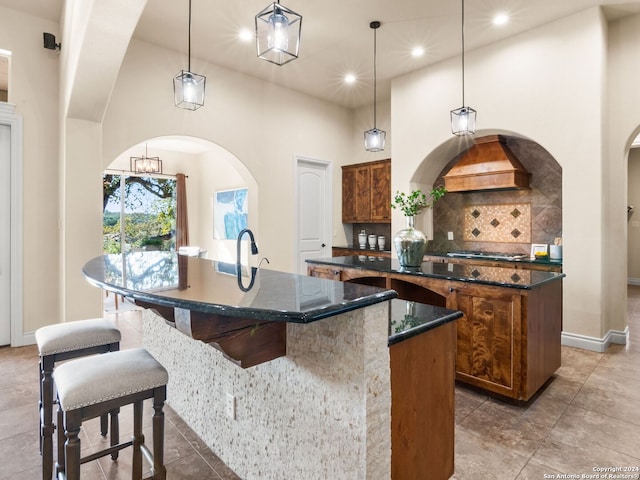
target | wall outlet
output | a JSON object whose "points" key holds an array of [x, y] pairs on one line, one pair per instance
{"points": [[449, 235], [230, 406]]}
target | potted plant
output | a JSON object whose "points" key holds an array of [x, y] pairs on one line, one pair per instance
{"points": [[411, 243]]}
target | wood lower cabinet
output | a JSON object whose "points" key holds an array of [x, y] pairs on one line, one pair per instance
{"points": [[422, 405], [508, 341], [366, 192], [318, 271]]}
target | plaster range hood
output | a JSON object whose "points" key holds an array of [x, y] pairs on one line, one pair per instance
{"points": [[487, 165]]}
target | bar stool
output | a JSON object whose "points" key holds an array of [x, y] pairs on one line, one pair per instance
{"points": [[65, 341], [92, 386]]}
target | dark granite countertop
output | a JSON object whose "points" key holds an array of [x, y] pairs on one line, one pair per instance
{"points": [[408, 319], [462, 272], [198, 284]]}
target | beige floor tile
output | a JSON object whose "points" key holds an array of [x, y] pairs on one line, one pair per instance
{"points": [[535, 471], [579, 427], [479, 457], [581, 459]]}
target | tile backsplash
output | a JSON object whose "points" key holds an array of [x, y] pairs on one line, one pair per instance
{"points": [[497, 228], [509, 223]]}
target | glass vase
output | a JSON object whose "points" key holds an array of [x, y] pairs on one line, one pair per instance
{"points": [[410, 245]]}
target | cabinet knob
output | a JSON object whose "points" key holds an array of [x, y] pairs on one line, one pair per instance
{"points": [[451, 289], [323, 245]]}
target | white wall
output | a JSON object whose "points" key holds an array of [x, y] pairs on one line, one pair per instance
{"points": [[261, 124], [33, 88], [546, 84]]}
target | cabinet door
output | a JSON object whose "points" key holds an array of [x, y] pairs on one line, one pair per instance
{"points": [[381, 192], [363, 194], [348, 195], [488, 339]]}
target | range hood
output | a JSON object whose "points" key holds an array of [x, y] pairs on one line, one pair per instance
{"points": [[487, 165]]}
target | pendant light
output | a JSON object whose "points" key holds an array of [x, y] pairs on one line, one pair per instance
{"points": [[188, 87], [374, 139], [146, 164], [278, 34], [463, 119]]}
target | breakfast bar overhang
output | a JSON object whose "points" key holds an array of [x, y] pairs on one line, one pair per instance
{"points": [[329, 401]]}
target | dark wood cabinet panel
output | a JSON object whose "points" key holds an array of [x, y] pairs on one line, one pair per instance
{"points": [[488, 338], [330, 273], [366, 192], [348, 195], [381, 192]]}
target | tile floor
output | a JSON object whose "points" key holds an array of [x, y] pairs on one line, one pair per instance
{"points": [[587, 417]]}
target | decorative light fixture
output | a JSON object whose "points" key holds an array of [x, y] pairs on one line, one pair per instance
{"points": [[374, 139], [463, 119], [188, 87], [278, 34], [146, 164]]}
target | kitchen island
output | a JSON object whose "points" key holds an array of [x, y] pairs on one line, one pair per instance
{"points": [[328, 401], [509, 339]]}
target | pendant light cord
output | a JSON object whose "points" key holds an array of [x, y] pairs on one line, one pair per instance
{"points": [[375, 26], [375, 77], [462, 53], [189, 48]]}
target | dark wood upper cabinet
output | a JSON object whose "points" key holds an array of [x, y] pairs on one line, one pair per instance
{"points": [[366, 192]]}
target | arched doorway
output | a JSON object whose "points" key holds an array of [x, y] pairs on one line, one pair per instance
{"points": [[209, 169]]}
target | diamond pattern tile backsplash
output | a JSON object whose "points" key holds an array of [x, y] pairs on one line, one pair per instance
{"points": [[505, 223]]}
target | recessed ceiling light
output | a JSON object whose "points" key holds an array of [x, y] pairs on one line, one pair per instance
{"points": [[246, 35], [349, 78], [500, 19], [417, 52]]}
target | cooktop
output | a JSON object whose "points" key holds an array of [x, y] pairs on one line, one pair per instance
{"points": [[489, 255]]}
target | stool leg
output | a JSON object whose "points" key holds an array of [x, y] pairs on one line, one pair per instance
{"points": [[115, 431], [61, 441], [72, 424], [46, 416], [138, 439], [104, 425], [159, 470]]}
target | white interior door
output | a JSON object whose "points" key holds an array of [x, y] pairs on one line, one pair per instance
{"points": [[313, 212], [5, 235]]}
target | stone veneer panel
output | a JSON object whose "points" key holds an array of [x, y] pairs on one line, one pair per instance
{"points": [[323, 411]]}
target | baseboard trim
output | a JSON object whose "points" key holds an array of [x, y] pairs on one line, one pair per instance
{"points": [[593, 343], [28, 338], [633, 281]]}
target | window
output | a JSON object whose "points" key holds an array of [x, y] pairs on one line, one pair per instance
{"points": [[139, 213]]}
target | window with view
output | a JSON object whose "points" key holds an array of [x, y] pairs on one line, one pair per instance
{"points": [[139, 213]]}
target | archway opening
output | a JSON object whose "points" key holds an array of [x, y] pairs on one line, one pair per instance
{"points": [[211, 171]]}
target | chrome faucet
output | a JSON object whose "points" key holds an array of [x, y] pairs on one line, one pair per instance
{"points": [[254, 251]]}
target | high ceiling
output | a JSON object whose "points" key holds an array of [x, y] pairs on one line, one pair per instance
{"points": [[336, 38]]}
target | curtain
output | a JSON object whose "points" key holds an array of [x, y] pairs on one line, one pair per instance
{"points": [[182, 222]]}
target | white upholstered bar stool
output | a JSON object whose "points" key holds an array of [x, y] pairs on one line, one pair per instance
{"points": [[65, 341], [92, 386]]}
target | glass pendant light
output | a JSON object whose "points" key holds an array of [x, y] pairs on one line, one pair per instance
{"points": [[188, 87], [146, 164], [463, 119], [375, 138], [278, 34]]}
